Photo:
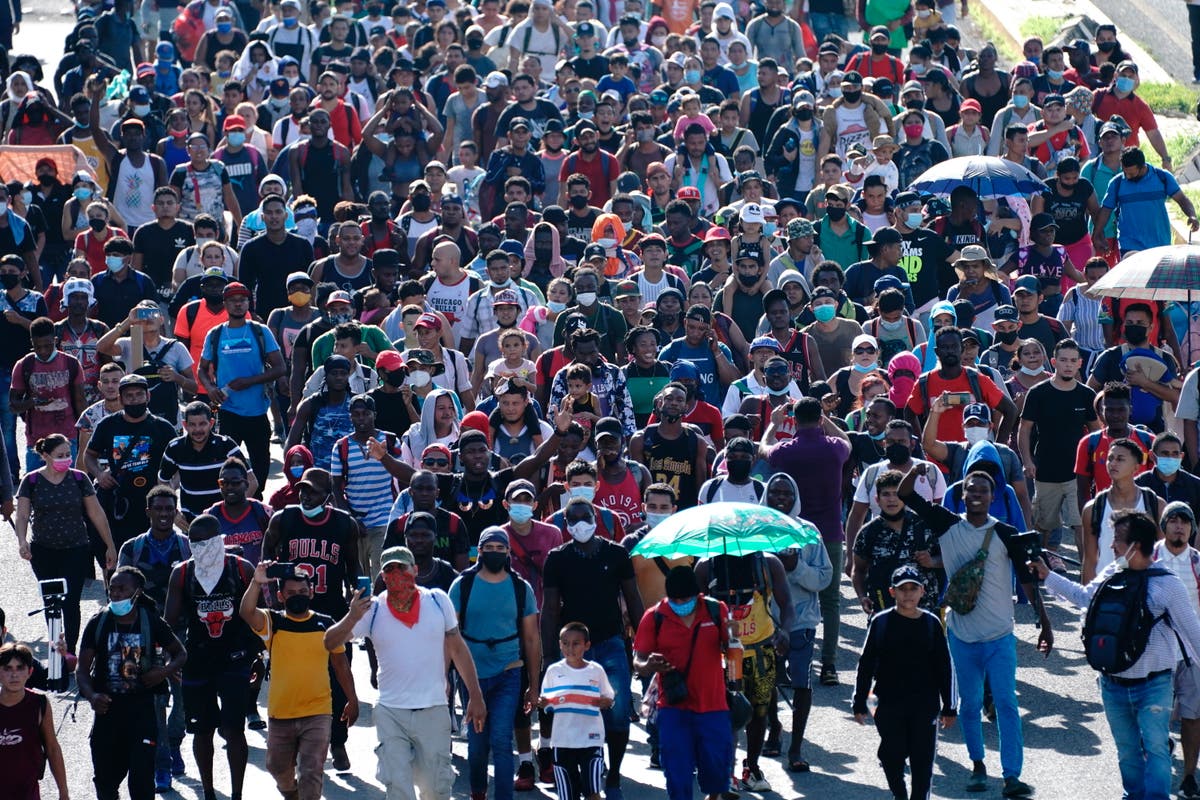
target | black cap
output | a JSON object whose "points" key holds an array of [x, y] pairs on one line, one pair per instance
{"points": [[385, 257], [886, 236]]}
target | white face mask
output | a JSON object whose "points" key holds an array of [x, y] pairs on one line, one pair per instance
{"points": [[586, 298], [653, 519], [306, 228], [607, 244], [419, 378], [975, 435], [209, 557], [582, 531]]}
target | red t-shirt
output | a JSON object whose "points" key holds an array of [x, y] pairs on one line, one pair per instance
{"points": [[1070, 139], [602, 170], [93, 248], [950, 426], [1089, 461], [1133, 108], [705, 671]]}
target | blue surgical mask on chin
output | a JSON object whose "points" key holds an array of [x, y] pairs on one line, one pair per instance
{"points": [[684, 608], [312, 513]]}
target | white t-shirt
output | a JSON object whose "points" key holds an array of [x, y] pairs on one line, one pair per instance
{"points": [[411, 675], [931, 485], [543, 44], [726, 491], [577, 722]]}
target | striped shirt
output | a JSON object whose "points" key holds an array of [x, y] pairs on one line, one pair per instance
{"points": [[572, 694], [198, 470], [1084, 311], [369, 488], [1166, 593]]}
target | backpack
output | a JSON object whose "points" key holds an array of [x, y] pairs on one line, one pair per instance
{"points": [[715, 486], [215, 346], [146, 660], [972, 381], [343, 451], [1117, 626], [464, 596], [1146, 408], [1100, 504], [891, 347], [529, 36]]}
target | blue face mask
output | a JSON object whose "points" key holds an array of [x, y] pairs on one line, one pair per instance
{"points": [[1124, 85], [1033, 59], [1055, 75], [236, 138], [586, 492], [691, 76], [520, 512], [122, 607], [862, 369], [114, 263], [312, 513], [556, 306], [684, 608], [653, 519], [914, 219], [1020, 100], [296, 472], [769, 228], [1169, 466], [224, 27], [291, 22]]}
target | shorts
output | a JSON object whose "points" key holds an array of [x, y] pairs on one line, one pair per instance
{"points": [[1187, 691], [217, 703], [578, 770], [758, 676], [1055, 504], [800, 655]]}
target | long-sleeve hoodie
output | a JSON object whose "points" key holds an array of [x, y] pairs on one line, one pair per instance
{"points": [[622, 262], [287, 495], [924, 351], [555, 268], [418, 437], [1004, 500], [813, 570]]}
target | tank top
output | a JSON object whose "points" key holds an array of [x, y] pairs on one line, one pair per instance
{"points": [[329, 423], [351, 284], [21, 754], [174, 154], [509, 445], [133, 192], [216, 635], [671, 461], [320, 175], [760, 111], [623, 498], [742, 583], [1104, 554], [319, 545]]}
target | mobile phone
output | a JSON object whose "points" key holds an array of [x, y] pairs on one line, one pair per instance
{"points": [[959, 398], [281, 570], [364, 584], [53, 586], [147, 313]]}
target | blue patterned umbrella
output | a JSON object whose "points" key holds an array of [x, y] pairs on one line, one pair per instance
{"points": [[990, 178]]}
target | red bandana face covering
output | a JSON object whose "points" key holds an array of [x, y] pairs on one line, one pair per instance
{"points": [[402, 586]]}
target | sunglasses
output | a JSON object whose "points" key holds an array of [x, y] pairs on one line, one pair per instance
{"points": [[776, 371], [435, 462], [865, 351]]}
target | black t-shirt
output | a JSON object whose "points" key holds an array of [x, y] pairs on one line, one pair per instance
{"points": [[1060, 419], [391, 412], [266, 265], [1046, 330], [14, 339], [52, 210], [9, 245], [122, 652], [543, 111], [590, 585], [134, 451], [581, 227], [595, 67], [478, 503], [321, 545], [923, 259], [864, 451], [159, 249], [1069, 212]]}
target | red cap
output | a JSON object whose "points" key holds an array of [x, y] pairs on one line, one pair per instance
{"points": [[389, 360], [971, 104], [235, 121], [133, 123], [235, 289], [716, 234], [428, 321], [688, 193], [145, 70]]}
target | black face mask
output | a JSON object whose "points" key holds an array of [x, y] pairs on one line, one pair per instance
{"points": [[835, 214], [97, 224], [10, 281], [631, 44], [747, 280], [474, 44], [914, 104], [878, 49], [739, 471], [396, 378], [897, 453], [803, 114], [1006, 337], [852, 97], [493, 562], [421, 202], [892, 517], [1106, 47], [578, 201], [135, 410], [46, 180], [297, 604], [1135, 334], [774, 12]]}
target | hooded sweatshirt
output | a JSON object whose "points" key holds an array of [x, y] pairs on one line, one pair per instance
{"points": [[813, 570], [622, 262], [902, 385], [418, 437], [924, 352], [287, 495], [542, 275], [1004, 500]]}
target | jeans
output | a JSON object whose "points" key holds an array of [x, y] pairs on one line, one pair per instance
{"points": [[995, 662], [255, 434], [171, 725], [74, 565], [824, 24], [1139, 717], [695, 742], [831, 605], [1194, 24], [56, 257], [300, 742], [502, 695], [610, 654], [8, 423]]}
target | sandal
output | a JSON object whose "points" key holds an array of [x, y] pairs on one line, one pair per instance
{"points": [[797, 765]]}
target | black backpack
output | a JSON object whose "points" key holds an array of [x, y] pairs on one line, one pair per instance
{"points": [[1118, 622], [467, 580]]}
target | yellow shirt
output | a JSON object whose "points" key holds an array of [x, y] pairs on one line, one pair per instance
{"points": [[299, 665]]}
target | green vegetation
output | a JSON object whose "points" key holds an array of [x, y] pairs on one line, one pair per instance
{"points": [[999, 38], [1179, 147], [1044, 27], [1169, 98]]}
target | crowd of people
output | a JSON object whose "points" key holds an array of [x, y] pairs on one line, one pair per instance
{"points": [[424, 249]]}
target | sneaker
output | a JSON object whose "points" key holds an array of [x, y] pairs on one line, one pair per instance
{"points": [[655, 761], [525, 775], [177, 766], [753, 780], [979, 780], [545, 766], [479, 795], [341, 760], [1014, 787], [162, 781], [1188, 788], [255, 722], [829, 676]]}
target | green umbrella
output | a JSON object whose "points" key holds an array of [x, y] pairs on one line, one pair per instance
{"points": [[735, 529]]}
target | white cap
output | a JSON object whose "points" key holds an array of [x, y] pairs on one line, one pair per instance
{"points": [[752, 212], [77, 286], [496, 79]]}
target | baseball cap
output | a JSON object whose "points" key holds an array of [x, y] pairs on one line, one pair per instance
{"points": [[1055, 99], [133, 380], [659, 98], [1080, 44], [585, 29], [218, 273], [495, 80], [626, 289], [971, 104], [518, 122], [803, 98], [506, 297], [839, 191], [685, 369], [750, 252], [427, 321], [280, 87], [389, 360], [139, 95], [886, 236], [594, 251], [911, 86], [753, 212], [585, 125], [749, 175], [133, 123], [887, 282], [1027, 283], [977, 411], [906, 199], [145, 70], [396, 555], [906, 574], [852, 78], [654, 239], [714, 234], [1005, 313], [1042, 221], [234, 121], [690, 193], [340, 296], [519, 486], [235, 289], [768, 342], [799, 227], [317, 478]]}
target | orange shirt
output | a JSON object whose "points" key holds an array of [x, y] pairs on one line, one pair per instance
{"points": [[678, 14], [194, 332]]}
